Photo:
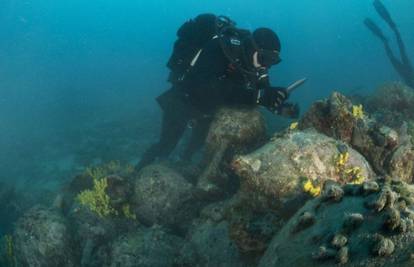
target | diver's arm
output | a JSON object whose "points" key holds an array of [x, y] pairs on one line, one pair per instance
{"points": [[270, 97]]}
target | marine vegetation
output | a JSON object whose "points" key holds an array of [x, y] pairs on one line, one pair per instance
{"points": [[97, 200], [355, 175], [341, 160], [113, 167], [106, 189], [293, 126], [126, 211], [8, 256], [311, 187], [358, 111], [314, 186], [348, 174]]}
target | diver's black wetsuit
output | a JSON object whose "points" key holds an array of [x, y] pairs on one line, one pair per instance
{"points": [[212, 82]]}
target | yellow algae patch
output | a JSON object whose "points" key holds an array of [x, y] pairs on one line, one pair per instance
{"points": [[355, 175], [97, 200], [126, 210], [340, 161], [358, 112], [9, 250], [311, 189], [293, 126]]}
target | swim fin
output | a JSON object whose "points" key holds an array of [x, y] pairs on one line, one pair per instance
{"points": [[383, 12], [374, 29]]}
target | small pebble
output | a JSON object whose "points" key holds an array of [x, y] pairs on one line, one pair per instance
{"points": [[339, 241], [410, 224], [351, 189], [392, 219], [384, 247], [324, 253], [343, 255], [353, 221], [370, 187], [333, 192], [386, 198], [306, 220]]}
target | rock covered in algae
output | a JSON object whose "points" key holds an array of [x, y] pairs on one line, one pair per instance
{"points": [[42, 238], [94, 233], [209, 244], [162, 196], [233, 130], [339, 118], [238, 126], [392, 104], [250, 226], [276, 169], [401, 164], [151, 247], [332, 116], [351, 232]]}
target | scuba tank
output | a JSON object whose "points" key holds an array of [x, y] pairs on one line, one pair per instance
{"points": [[192, 37]]}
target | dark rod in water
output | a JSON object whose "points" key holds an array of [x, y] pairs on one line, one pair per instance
{"points": [[383, 12], [295, 85], [374, 29], [402, 65]]}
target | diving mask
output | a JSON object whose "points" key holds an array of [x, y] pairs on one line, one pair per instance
{"points": [[268, 58]]}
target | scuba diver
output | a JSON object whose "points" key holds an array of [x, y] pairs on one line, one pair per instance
{"points": [[215, 64], [403, 67]]}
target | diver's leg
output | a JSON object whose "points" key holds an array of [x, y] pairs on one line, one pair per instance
{"points": [[172, 128], [197, 139]]}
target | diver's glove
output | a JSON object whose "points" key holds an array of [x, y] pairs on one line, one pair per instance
{"points": [[289, 110], [273, 98]]}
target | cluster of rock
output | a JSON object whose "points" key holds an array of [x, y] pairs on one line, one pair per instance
{"points": [[364, 225], [333, 190], [381, 145]]}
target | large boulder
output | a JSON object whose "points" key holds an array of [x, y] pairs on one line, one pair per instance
{"points": [[209, 244], [12, 205], [151, 247], [369, 225], [42, 238], [332, 116], [94, 234], [162, 196], [401, 164], [98, 206], [339, 118], [118, 185], [276, 171], [237, 127], [247, 227], [233, 130], [392, 104]]}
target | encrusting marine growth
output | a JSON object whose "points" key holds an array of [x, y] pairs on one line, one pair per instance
{"points": [[358, 112], [311, 188], [9, 256], [97, 200], [351, 175]]}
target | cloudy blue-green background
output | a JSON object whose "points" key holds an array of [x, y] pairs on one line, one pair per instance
{"points": [[78, 78]]}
